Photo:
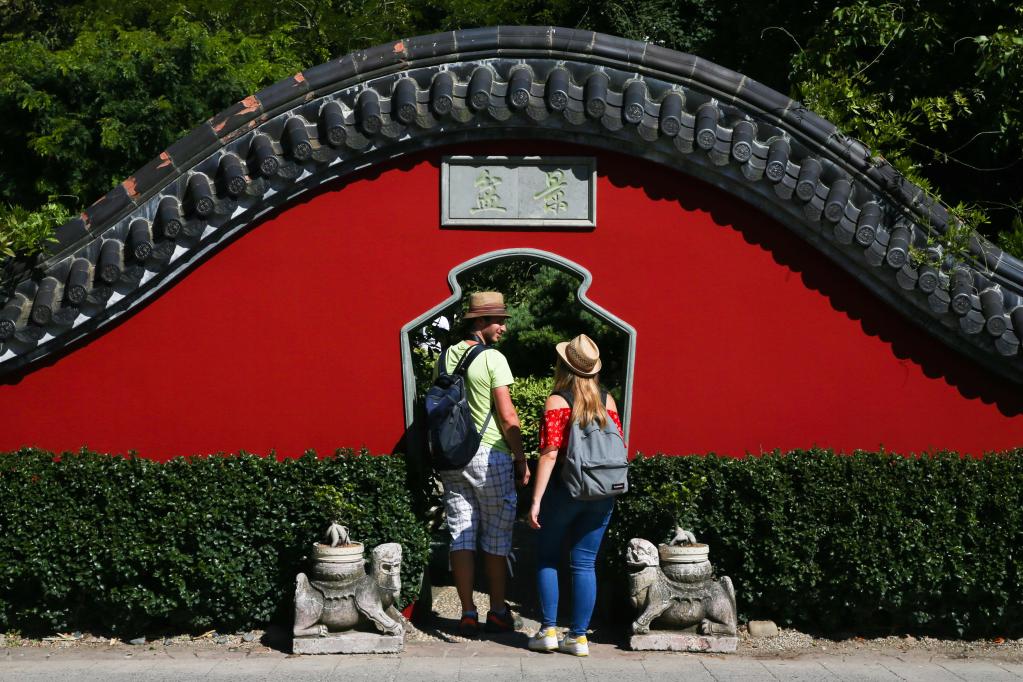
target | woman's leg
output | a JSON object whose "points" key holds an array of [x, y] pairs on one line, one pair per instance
{"points": [[585, 535], [555, 517]]}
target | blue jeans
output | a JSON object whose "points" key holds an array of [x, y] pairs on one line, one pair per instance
{"points": [[583, 523]]}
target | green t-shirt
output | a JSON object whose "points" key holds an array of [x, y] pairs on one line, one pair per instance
{"points": [[488, 371]]}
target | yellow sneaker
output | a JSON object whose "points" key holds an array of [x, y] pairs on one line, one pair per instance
{"points": [[577, 646], [546, 639]]}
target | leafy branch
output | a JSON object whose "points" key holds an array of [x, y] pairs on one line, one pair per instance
{"points": [[25, 233]]}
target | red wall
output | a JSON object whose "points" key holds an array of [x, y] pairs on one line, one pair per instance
{"points": [[747, 338]]}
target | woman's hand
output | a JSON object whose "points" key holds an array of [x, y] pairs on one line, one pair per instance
{"points": [[534, 514]]}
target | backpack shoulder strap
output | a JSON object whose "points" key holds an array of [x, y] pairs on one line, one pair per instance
{"points": [[442, 363], [470, 355], [462, 361], [603, 398], [463, 367]]}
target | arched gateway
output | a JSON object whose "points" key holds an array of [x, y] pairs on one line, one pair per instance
{"points": [[248, 288]]}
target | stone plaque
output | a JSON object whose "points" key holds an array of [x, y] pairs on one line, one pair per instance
{"points": [[521, 191]]}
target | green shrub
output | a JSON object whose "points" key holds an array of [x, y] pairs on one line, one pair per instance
{"points": [[129, 545], [824, 542], [837, 543], [529, 394]]}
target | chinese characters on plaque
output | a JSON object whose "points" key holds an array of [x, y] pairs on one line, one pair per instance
{"points": [[521, 191], [487, 198]]}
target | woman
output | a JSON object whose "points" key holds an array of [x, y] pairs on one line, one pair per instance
{"points": [[554, 513]]}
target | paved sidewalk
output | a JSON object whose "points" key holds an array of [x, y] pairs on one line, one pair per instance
{"points": [[490, 662]]}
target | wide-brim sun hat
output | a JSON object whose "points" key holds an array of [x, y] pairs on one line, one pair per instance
{"points": [[580, 355], [486, 304]]}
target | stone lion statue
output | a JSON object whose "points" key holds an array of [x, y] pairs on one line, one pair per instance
{"points": [[322, 607], [708, 604]]}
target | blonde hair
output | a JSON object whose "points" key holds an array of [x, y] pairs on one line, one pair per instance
{"points": [[587, 405]]}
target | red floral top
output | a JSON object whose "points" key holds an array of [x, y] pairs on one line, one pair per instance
{"points": [[554, 430]]}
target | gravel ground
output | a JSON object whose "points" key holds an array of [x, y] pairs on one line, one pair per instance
{"points": [[448, 609], [788, 643], [794, 642], [241, 641]]}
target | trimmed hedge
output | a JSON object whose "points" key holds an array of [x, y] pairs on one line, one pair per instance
{"points": [[824, 542], [847, 543], [130, 546]]}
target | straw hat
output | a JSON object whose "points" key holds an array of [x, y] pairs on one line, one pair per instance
{"points": [[486, 304], [580, 355]]}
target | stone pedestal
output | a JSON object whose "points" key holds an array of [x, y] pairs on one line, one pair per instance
{"points": [[352, 642], [671, 640]]}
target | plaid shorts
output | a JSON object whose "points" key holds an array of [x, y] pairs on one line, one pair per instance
{"points": [[480, 502]]}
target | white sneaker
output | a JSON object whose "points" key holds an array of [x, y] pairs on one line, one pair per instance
{"points": [[577, 646], [546, 639]]}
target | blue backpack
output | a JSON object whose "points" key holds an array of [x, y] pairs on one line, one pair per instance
{"points": [[453, 436]]}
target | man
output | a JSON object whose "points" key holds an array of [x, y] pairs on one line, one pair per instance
{"points": [[480, 499]]}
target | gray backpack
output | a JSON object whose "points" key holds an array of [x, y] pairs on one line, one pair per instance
{"points": [[596, 463]]}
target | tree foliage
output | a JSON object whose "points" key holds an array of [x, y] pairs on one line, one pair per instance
{"points": [[544, 310], [76, 120], [934, 87], [91, 90]]}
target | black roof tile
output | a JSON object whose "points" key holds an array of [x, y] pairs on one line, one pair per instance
{"points": [[380, 57], [475, 40], [669, 61], [330, 74], [1010, 269], [196, 143], [816, 143], [112, 204], [235, 116], [154, 174], [767, 99], [523, 37], [571, 40], [70, 233], [725, 81], [433, 45], [819, 129], [294, 89], [612, 47]]}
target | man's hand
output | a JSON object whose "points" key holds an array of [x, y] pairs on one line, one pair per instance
{"points": [[521, 473], [508, 422]]}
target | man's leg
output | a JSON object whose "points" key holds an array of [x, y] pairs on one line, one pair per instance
{"points": [[496, 567], [497, 503], [463, 564], [462, 513]]}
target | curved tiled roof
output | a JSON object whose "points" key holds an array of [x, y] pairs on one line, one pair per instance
{"points": [[542, 82]]}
